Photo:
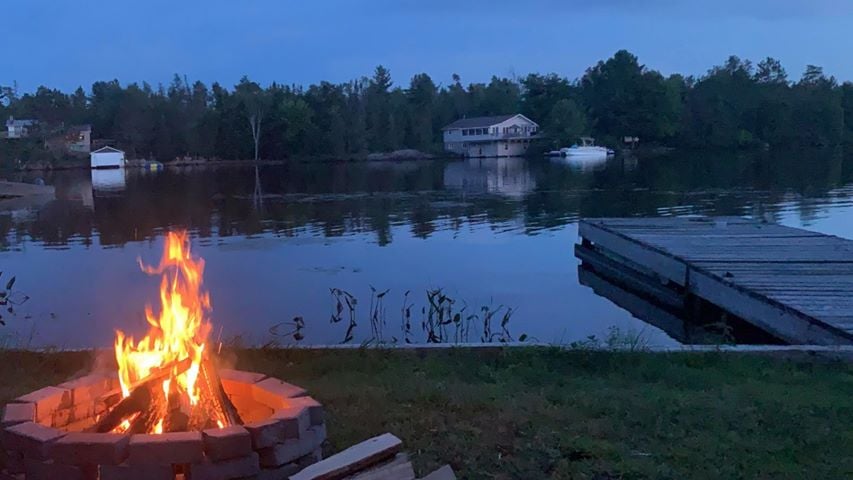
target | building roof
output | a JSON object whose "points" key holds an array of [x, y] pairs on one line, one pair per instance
{"points": [[479, 122], [19, 123], [80, 128], [108, 150]]}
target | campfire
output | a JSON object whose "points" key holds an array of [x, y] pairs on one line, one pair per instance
{"points": [[167, 409], [168, 381]]}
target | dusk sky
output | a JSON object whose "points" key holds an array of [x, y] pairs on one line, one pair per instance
{"points": [[65, 44]]}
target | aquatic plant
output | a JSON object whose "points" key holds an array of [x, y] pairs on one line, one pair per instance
{"points": [[10, 298]]}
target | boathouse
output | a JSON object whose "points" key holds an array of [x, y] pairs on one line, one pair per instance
{"points": [[107, 157]]}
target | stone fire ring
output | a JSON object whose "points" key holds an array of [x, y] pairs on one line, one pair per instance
{"points": [[42, 436]]}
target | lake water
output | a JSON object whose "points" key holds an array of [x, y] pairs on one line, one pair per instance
{"points": [[488, 232]]}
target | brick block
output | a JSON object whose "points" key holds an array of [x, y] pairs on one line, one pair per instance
{"points": [[15, 413], [225, 443], [266, 433], [311, 458], [47, 400], [275, 393], [59, 418], [31, 439], [315, 409], [296, 420], [231, 469], [63, 417], [87, 389], [238, 382], [292, 450], [38, 470], [79, 448], [136, 472], [250, 410], [166, 449], [278, 473]]}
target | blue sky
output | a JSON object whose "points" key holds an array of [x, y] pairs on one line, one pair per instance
{"points": [[65, 44]]}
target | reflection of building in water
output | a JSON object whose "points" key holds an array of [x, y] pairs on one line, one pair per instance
{"points": [[506, 176], [111, 180]]}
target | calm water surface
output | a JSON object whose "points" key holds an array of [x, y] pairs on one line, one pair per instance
{"points": [[489, 232]]}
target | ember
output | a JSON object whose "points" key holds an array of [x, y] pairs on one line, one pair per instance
{"points": [[168, 382]]}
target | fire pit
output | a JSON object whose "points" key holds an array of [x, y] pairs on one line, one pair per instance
{"points": [[167, 412]]}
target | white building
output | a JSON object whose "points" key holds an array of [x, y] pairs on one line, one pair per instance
{"points": [[501, 136], [107, 157], [18, 128]]}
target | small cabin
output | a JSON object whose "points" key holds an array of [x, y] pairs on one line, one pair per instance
{"points": [[107, 157]]}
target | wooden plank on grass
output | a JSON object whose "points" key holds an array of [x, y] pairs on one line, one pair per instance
{"points": [[353, 460], [400, 468], [443, 473]]}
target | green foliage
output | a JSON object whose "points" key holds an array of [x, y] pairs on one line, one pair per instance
{"points": [[735, 105]]}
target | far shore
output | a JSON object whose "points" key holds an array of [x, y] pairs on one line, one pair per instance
{"points": [[398, 155]]}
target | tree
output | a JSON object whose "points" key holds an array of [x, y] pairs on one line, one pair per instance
{"points": [[818, 113], [566, 122], [378, 110], [625, 98], [254, 102], [770, 71], [847, 107], [540, 93], [421, 97]]}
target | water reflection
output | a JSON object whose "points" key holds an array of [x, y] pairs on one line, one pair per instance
{"points": [[509, 177], [496, 231], [581, 163], [109, 180]]}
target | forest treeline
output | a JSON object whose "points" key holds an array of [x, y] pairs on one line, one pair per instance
{"points": [[734, 105]]}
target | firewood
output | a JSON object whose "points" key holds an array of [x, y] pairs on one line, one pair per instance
{"points": [[138, 401], [353, 459], [398, 468], [178, 366], [217, 391], [443, 473]]}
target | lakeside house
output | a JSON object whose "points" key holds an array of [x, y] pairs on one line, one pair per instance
{"points": [[75, 140], [78, 139], [497, 136], [19, 128], [107, 157]]}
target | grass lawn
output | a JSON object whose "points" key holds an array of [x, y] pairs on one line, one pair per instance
{"points": [[543, 413]]}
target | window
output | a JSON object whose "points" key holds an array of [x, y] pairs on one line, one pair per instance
{"points": [[464, 133], [506, 146]]}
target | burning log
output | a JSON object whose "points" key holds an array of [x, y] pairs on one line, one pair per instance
{"points": [[216, 408], [146, 396]]}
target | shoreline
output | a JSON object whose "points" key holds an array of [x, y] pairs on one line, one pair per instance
{"points": [[551, 413], [839, 352]]}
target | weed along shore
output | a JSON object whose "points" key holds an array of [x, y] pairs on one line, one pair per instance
{"points": [[550, 413]]}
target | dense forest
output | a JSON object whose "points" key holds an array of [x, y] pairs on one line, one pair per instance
{"points": [[734, 105]]}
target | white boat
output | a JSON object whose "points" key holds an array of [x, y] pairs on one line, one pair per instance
{"points": [[587, 148]]}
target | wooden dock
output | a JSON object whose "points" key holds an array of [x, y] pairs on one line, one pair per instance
{"points": [[794, 284]]}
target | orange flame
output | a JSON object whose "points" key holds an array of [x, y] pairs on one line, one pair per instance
{"points": [[179, 331]]}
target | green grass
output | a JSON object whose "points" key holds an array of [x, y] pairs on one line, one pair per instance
{"points": [[543, 413]]}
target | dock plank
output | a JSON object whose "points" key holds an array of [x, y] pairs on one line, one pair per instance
{"points": [[793, 283]]}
